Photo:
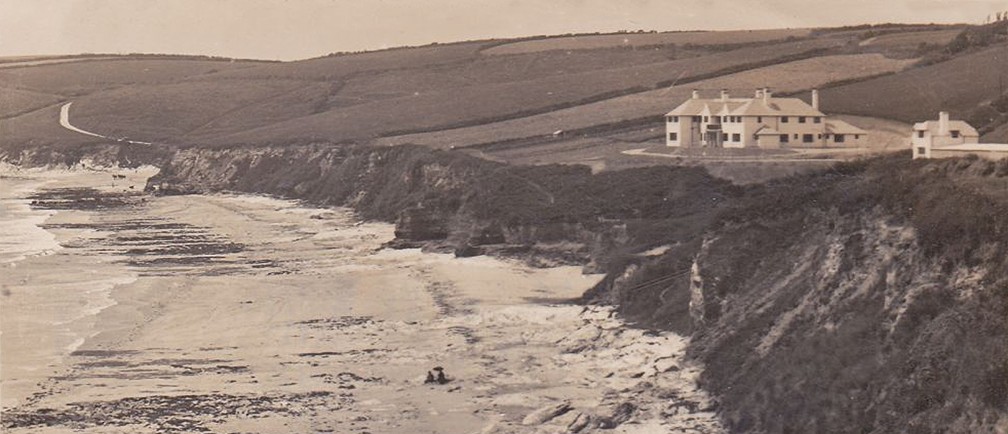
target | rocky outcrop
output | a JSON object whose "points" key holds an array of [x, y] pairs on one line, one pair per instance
{"points": [[420, 224]]}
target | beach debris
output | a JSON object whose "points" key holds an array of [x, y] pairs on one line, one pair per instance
{"points": [[579, 423], [173, 413], [666, 364], [547, 413], [621, 414], [430, 378]]}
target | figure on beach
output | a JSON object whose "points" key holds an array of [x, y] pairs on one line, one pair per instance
{"points": [[441, 378]]}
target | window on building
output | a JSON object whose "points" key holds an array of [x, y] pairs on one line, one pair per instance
{"points": [[673, 119], [920, 150], [817, 120], [955, 134], [672, 136], [734, 137], [783, 138], [839, 138], [801, 119], [920, 134], [820, 136], [857, 136], [806, 138], [759, 119], [784, 119], [796, 136], [724, 137], [696, 118]]}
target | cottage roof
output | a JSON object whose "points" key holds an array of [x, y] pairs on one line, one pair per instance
{"points": [[935, 127], [746, 107], [837, 126]]}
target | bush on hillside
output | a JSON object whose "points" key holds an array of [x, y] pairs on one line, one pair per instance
{"points": [[978, 36]]}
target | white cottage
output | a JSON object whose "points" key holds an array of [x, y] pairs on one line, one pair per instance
{"points": [[945, 138], [763, 121]]}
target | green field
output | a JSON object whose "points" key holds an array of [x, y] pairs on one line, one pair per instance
{"points": [[963, 85], [485, 92], [588, 42]]}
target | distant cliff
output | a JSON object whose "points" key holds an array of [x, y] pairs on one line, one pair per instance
{"points": [[452, 201], [867, 298]]}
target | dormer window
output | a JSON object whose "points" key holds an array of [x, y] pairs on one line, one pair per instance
{"points": [[955, 134]]}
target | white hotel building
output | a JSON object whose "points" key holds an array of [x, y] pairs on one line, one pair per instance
{"points": [[763, 121]]}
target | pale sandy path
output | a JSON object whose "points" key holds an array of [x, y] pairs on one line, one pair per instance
{"points": [[64, 121]]}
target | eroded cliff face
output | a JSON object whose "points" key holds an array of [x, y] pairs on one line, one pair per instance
{"points": [[844, 325], [873, 302]]}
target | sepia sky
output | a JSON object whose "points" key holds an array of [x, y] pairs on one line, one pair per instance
{"points": [[296, 29]]}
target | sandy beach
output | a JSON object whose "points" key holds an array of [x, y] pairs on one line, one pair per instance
{"points": [[229, 313]]}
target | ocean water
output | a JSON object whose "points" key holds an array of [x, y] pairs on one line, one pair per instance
{"points": [[49, 295], [20, 231]]}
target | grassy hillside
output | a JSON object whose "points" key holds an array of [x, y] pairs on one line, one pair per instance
{"points": [[15, 102], [649, 106], [958, 85], [81, 78], [641, 39], [364, 106], [363, 96], [963, 77], [500, 92]]}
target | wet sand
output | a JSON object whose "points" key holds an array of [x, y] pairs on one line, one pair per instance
{"points": [[231, 313]]}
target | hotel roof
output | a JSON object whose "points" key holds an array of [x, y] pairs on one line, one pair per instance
{"points": [[771, 106]]}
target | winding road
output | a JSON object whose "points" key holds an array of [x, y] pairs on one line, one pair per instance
{"points": [[64, 121]]}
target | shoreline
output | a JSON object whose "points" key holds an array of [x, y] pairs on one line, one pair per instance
{"points": [[303, 306]]}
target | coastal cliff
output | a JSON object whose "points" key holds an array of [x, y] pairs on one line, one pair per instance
{"points": [[867, 298], [450, 201]]}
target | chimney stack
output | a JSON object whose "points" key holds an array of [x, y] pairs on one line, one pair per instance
{"points": [[724, 95], [767, 95], [696, 94], [815, 99], [943, 123]]}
